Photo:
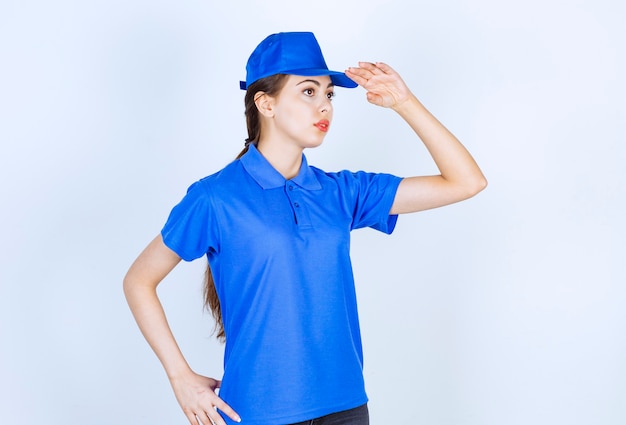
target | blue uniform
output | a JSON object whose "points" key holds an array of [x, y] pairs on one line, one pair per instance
{"points": [[279, 253]]}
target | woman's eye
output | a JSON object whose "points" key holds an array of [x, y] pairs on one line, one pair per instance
{"points": [[309, 92], [330, 95]]}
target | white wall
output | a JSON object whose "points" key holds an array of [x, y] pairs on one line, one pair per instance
{"points": [[505, 309]]}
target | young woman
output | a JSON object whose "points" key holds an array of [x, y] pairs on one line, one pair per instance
{"points": [[276, 234]]}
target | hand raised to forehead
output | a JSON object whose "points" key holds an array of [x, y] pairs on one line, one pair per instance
{"points": [[384, 85]]}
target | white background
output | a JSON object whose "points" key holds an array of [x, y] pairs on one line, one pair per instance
{"points": [[504, 309]]}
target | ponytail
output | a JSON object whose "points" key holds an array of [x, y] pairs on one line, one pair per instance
{"points": [[271, 86]]}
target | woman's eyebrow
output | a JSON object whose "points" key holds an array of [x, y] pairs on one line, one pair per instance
{"points": [[314, 82]]}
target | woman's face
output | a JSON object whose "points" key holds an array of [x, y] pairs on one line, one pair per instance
{"points": [[303, 110]]}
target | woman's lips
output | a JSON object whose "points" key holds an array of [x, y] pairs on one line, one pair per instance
{"points": [[322, 125]]}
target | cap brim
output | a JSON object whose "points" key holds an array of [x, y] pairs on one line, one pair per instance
{"points": [[338, 78], [342, 80]]}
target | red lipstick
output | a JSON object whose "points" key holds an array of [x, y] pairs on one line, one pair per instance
{"points": [[323, 125]]}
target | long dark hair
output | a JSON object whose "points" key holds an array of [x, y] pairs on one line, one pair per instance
{"points": [[271, 86]]}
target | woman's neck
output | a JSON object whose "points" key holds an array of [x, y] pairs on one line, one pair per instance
{"points": [[286, 159]]}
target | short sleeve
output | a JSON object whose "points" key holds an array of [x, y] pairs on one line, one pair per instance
{"points": [[190, 227], [373, 198]]}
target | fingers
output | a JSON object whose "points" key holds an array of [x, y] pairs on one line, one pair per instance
{"points": [[220, 404], [367, 71], [384, 85], [212, 417], [229, 412], [191, 418], [375, 99], [384, 68], [355, 74], [376, 68], [364, 72], [199, 401]]}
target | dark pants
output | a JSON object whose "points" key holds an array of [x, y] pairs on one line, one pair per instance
{"points": [[357, 416]]}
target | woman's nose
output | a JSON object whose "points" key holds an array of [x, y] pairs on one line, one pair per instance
{"points": [[326, 105]]}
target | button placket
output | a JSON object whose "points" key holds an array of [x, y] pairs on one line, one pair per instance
{"points": [[300, 214]]}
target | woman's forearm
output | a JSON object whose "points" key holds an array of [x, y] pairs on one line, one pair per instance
{"points": [[150, 317], [454, 162], [140, 284]]}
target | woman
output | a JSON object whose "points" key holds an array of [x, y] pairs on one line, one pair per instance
{"points": [[276, 234]]}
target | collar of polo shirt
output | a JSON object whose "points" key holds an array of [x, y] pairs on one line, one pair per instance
{"points": [[269, 178]]}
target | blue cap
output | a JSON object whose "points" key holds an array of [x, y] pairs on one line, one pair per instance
{"points": [[292, 53]]}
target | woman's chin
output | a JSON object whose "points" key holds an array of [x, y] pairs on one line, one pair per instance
{"points": [[313, 143]]}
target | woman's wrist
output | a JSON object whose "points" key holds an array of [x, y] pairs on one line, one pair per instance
{"points": [[408, 106], [179, 372]]}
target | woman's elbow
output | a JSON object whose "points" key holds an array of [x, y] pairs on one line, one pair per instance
{"points": [[128, 285], [132, 283], [481, 184], [475, 186]]}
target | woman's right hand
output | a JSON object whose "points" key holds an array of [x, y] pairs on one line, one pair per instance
{"points": [[196, 396]]}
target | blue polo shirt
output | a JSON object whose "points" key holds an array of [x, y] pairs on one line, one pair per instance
{"points": [[279, 253]]}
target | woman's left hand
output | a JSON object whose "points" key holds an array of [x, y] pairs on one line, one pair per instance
{"points": [[384, 86]]}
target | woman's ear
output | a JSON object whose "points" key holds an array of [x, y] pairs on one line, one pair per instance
{"points": [[264, 103]]}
